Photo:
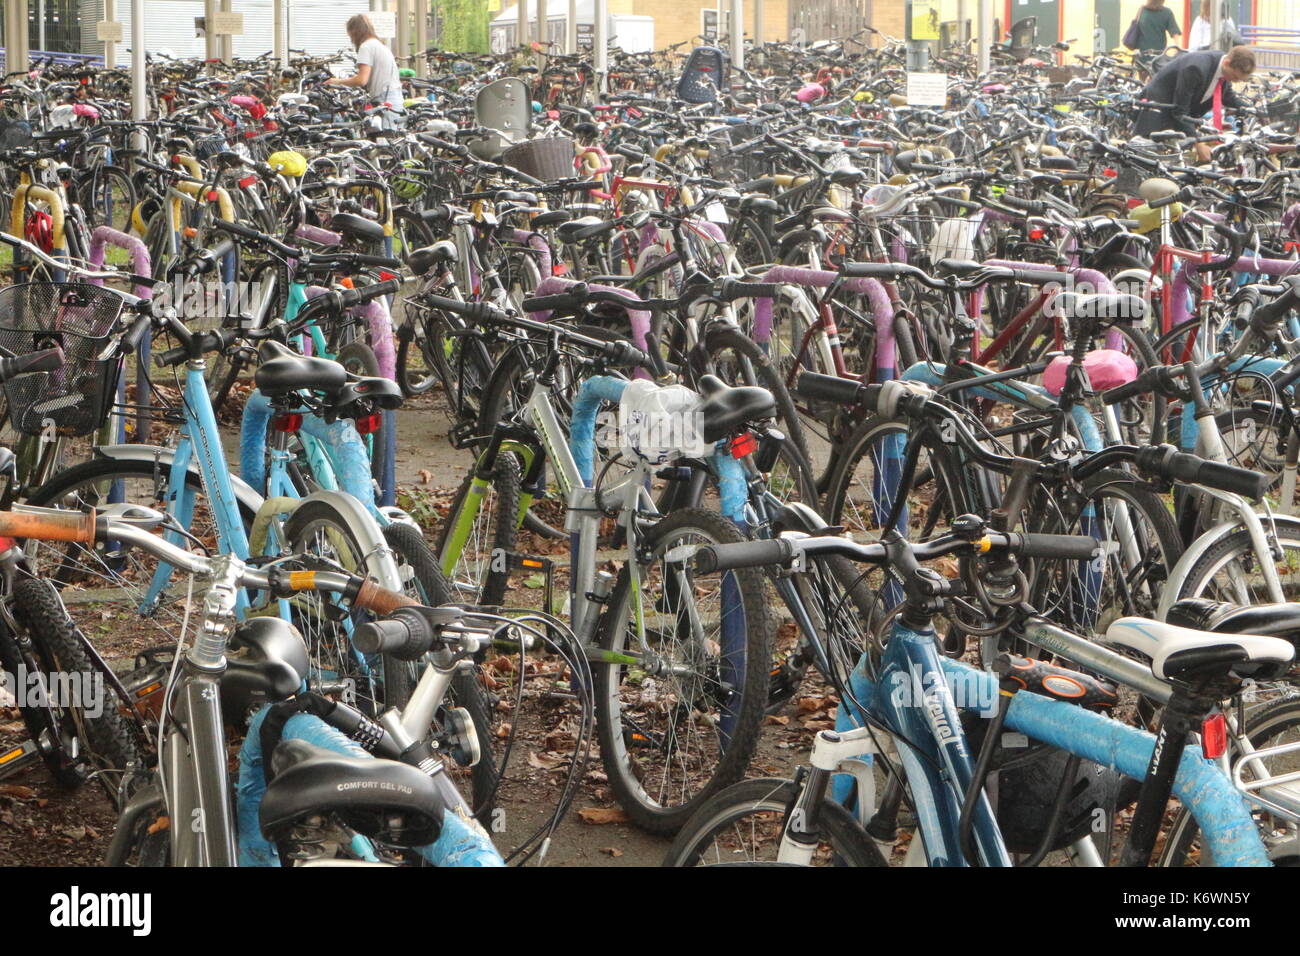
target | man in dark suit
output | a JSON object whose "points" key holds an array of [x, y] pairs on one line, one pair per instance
{"points": [[1192, 85]]}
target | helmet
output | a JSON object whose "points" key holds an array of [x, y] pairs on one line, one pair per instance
{"points": [[407, 185], [39, 230]]}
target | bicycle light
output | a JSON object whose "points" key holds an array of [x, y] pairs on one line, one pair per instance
{"points": [[1214, 736]]}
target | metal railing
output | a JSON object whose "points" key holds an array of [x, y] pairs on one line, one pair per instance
{"points": [[1276, 48]]}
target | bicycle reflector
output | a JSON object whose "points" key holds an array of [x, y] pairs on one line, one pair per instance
{"points": [[288, 422], [742, 445], [369, 424], [1214, 736], [1036, 233]]}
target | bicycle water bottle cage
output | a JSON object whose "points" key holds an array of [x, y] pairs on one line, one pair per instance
{"points": [[380, 799]]}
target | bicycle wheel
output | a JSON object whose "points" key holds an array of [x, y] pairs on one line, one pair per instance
{"points": [[683, 721], [482, 523], [104, 587], [320, 538], [1230, 570], [107, 198], [1139, 541], [743, 825], [424, 581], [1273, 723], [80, 730], [738, 360]]}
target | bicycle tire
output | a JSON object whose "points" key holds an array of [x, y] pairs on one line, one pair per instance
{"points": [[747, 593], [498, 532], [849, 843]]}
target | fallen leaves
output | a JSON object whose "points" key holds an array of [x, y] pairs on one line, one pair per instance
{"points": [[599, 816]]}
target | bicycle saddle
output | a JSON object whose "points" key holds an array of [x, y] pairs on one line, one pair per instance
{"points": [[553, 218], [957, 267], [382, 799], [422, 260], [1157, 187], [1275, 620], [1178, 652], [376, 391], [1102, 307], [284, 370], [725, 408], [759, 203], [578, 229], [268, 663], [1060, 163], [357, 227]]}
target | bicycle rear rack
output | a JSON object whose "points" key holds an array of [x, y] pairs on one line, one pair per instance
{"points": [[1279, 793]]}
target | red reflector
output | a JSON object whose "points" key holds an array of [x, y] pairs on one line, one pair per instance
{"points": [[1110, 173], [1214, 737], [743, 445], [1036, 234], [212, 195], [247, 181], [287, 422], [1134, 203], [6, 544], [369, 424], [385, 275]]}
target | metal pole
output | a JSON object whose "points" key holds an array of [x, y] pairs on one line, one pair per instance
{"points": [[571, 28], [40, 24], [227, 41], [403, 31], [985, 33], [209, 37], [543, 33], [110, 47], [277, 32], [421, 37], [600, 42], [738, 33], [1216, 23], [758, 24], [139, 105]]}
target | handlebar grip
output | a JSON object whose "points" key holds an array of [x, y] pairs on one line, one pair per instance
{"points": [[1069, 546], [49, 525], [407, 637], [380, 600], [729, 290], [1139, 386], [1183, 195], [832, 388], [1032, 207], [382, 262], [366, 293], [1166, 462], [560, 302], [742, 554], [46, 360], [870, 270]]}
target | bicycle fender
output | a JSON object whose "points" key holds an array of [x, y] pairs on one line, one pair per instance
{"points": [[1202, 544]]}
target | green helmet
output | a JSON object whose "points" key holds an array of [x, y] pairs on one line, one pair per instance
{"points": [[407, 185]]}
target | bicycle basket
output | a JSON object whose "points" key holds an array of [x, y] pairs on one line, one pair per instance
{"points": [[545, 159], [208, 146], [15, 134], [81, 320]]}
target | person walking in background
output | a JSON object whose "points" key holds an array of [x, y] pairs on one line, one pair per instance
{"points": [[1201, 38], [1156, 24]]}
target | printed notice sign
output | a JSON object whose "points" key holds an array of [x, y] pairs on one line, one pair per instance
{"points": [[228, 23], [108, 31], [385, 22], [927, 89]]}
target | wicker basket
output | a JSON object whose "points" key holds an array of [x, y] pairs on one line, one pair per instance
{"points": [[545, 159]]}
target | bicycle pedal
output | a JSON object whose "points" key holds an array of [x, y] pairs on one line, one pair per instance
{"points": [[17, 758], [783, 686]]}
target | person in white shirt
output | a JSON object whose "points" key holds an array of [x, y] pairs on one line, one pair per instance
{"points": [[1200, 38], [376, 66]]}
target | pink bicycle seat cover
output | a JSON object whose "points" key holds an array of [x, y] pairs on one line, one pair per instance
{"points": [[1106, 368]]}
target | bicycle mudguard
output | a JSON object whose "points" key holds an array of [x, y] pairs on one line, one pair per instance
{"points": [[348, 451], [1221, 811], [245, 493], [462, 842]]}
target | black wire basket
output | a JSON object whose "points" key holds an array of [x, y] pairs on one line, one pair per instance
{"points": [[80, 319]]}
